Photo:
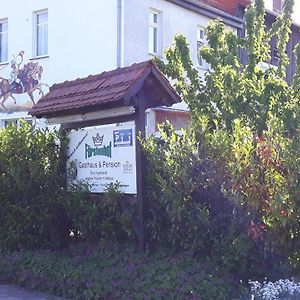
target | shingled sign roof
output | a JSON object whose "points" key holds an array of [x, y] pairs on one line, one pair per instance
{"points": [[107, 90]]}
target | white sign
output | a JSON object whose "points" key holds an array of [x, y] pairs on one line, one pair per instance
{"points": [[103, 155]]}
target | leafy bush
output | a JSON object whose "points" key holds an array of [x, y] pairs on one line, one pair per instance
{"points": [[186, 205], [104, 216], [32, 188], [192, 205], [110, 271]]}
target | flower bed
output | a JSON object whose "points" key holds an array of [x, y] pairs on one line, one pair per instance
{"points": [[281, 289]]}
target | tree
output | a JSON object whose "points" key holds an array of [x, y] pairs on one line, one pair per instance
{"points": [[233, 90]]}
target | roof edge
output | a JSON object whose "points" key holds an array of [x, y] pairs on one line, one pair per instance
{"points": [[210, 12]]}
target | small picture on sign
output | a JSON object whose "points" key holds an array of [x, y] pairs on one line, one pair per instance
{"points": [[98, 140], [123, 138], [127, 167]]}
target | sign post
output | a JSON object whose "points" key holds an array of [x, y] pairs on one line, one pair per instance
{"points": [[106, 154]]}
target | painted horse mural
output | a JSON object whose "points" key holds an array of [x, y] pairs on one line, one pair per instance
{"points": [[26, 79]]}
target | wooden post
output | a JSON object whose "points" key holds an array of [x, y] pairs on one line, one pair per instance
{"points": [[140, 166]]}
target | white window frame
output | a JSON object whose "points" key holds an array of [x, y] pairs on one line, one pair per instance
{"points": [[201, 41], [9, 121], [151, 29], [4, 37], [15, 121], [37, 52]]}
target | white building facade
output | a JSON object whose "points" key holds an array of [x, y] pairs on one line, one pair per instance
{"points": [[71, 39]]}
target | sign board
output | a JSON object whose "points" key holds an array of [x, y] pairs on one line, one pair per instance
{"points": [[103, 155]]}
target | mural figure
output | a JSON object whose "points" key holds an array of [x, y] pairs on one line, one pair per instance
{"points": [[26, 79]]}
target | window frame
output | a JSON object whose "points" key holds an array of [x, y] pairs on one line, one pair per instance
{"points": [[158, 26], [36, 24], [16, 122], [2, 32], [201, 41]]}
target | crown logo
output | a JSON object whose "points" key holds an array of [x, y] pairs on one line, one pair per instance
{"points": [[98, 140]]}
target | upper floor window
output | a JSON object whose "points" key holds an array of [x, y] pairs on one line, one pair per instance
{"points": [[201, 41], [3, 40], [155, 42], [41, 33]]}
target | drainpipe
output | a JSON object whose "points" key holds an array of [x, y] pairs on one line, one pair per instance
{"points": [[120, 33]]}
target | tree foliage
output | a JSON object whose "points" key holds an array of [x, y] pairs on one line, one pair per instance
{"points": [[233, 90]]}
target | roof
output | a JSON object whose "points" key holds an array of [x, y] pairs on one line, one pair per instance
{"points": [[209, 11], [109, 89], [229, 7]]}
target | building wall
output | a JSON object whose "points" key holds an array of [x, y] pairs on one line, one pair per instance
{"points": [[175, 20], [90, 39], [178, 119], [294, 40], [82, 40]]}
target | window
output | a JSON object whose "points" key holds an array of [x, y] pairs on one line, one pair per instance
{"points": [[41, 33], [3, 40], [15, 122], [155, 33], [10, 122], [201, 41]]}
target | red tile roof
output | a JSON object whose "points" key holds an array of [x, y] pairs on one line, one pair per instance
{"points": [[228, 6], [108, 89]]}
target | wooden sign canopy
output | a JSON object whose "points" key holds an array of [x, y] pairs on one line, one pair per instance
{"points": [[111, 97]]}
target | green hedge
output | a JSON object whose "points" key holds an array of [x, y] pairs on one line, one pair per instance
{"points": [[32, 188]]}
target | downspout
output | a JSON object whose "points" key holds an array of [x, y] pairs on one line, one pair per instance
{"points": [[120, 33]]}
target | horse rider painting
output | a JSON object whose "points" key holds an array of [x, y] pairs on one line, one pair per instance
{"points": [[15, 81], [26, 79]]}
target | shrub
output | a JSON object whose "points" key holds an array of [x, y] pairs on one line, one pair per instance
{"points": [[187, 208], [32, 188], [193, 201], [100, 216]]}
